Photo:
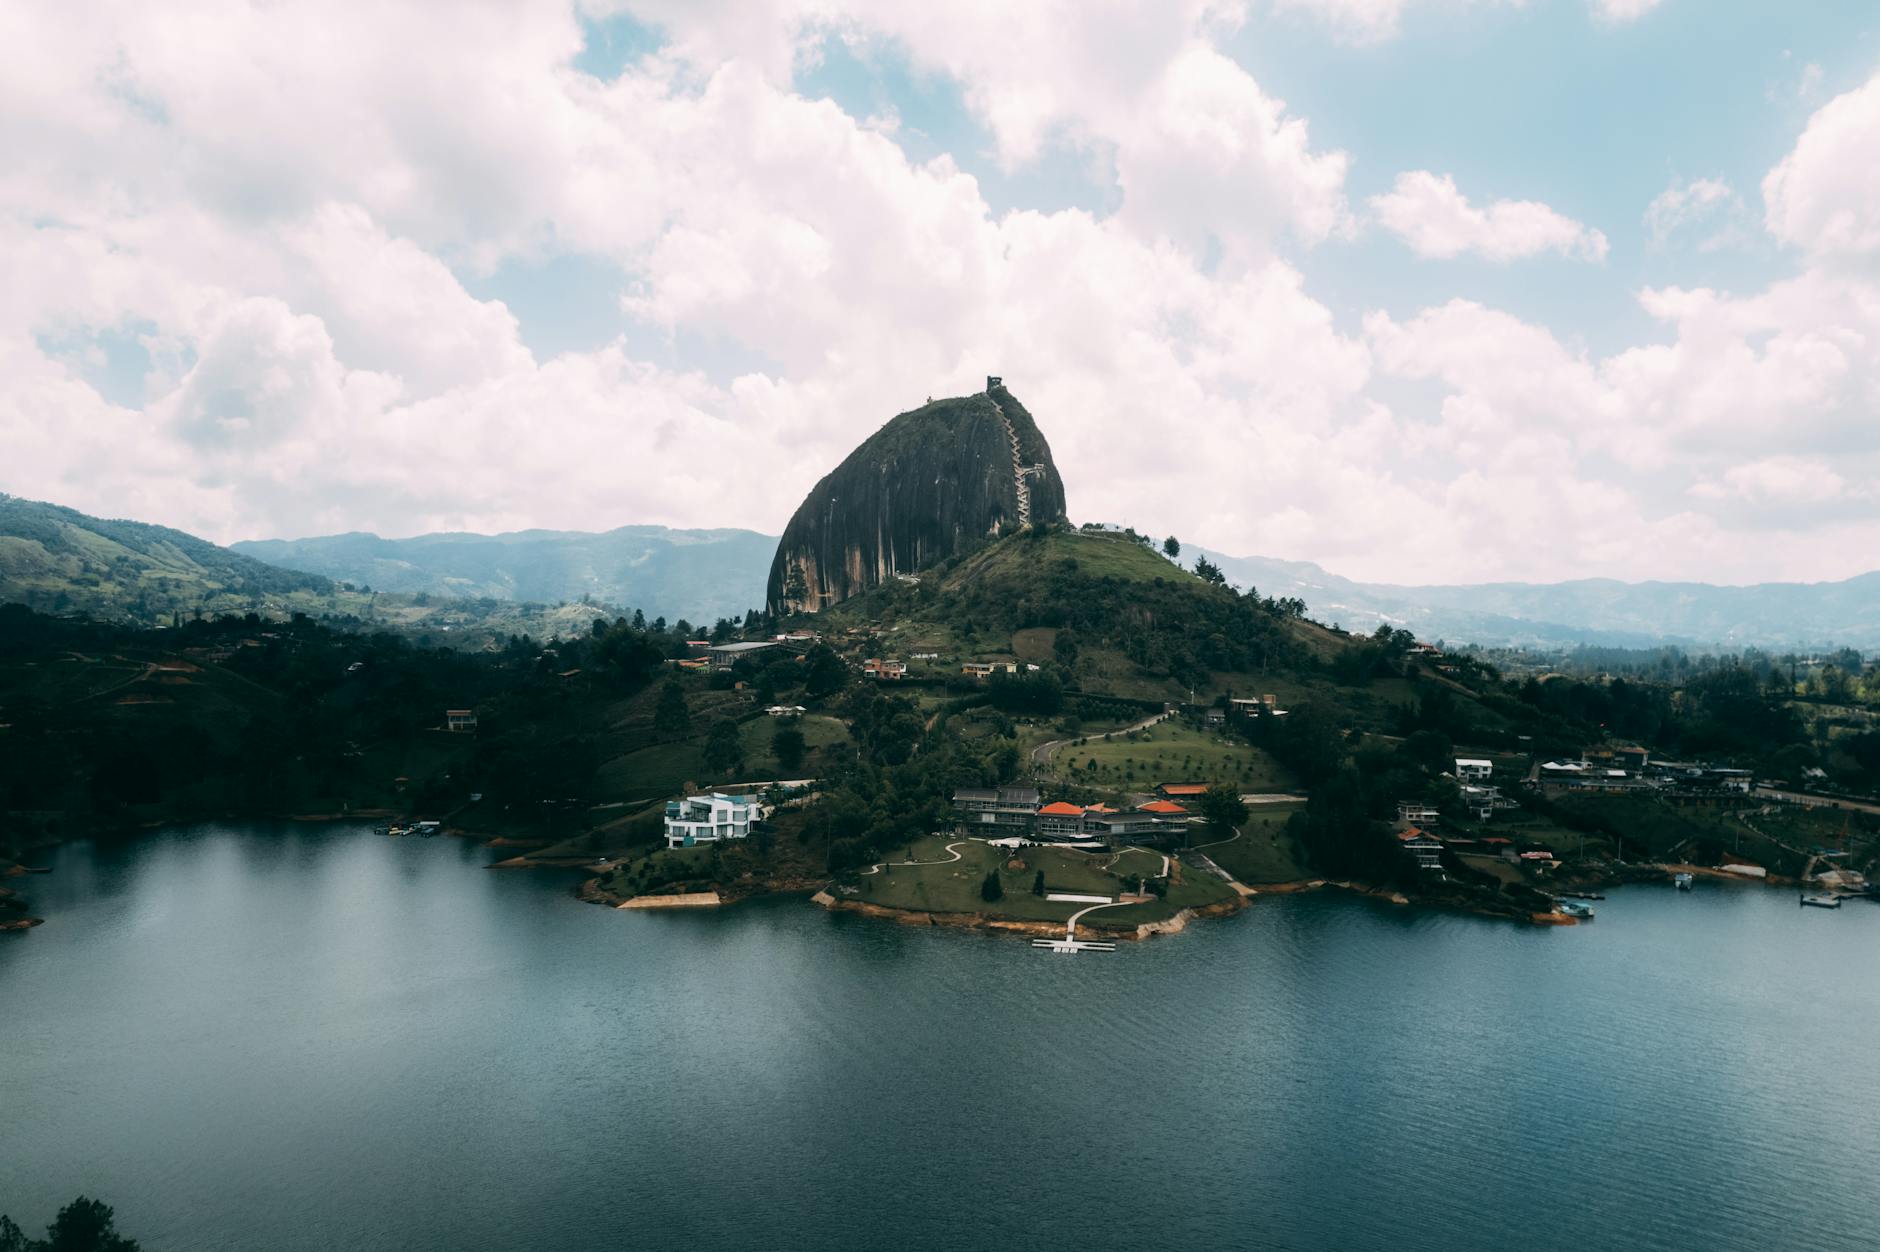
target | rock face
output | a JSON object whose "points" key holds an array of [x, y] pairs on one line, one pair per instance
{"points": [[915, 492]]}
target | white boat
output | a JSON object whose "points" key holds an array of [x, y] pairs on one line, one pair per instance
{"points": [[1683, 879]]}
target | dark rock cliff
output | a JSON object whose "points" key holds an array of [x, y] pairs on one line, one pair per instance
{"points": [[915, 492]]}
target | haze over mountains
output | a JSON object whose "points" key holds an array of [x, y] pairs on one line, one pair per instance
{"points": [[699, 575], [58, 559], [1589, 610]]}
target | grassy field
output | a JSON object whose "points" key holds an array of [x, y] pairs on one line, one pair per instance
{"points": [[954, 887], [1170, 752], [1264, 852]]}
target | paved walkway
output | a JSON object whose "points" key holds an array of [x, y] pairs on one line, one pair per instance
{"points": [[1070, 927], [953, 848]]}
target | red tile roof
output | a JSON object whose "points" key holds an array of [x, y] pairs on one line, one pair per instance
{"points": [[1060, 809], [1183, 789], [1163, 806]]}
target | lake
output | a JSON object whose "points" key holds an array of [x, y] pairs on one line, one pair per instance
{"points": [[304, 1037]]}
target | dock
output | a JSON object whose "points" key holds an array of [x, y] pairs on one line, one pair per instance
{"points": [[1075, 945]]}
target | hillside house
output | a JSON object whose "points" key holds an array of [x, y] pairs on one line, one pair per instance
{"points": [[786, 711], [887, 670], [1474, 769], [710, 818], [986, 669], [1159, 819], [462, 721], [1181, 793], [1003, 810], [1422, 847], [1416, 813], [724, 655]]}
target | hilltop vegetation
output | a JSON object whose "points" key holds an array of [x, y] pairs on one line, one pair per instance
{"points": [[54, 559]]}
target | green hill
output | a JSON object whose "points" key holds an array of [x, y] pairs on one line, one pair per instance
{"points": [[57, 559]]}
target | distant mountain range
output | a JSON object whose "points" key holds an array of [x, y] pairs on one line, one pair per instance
{"points": [[1597, 611], [699, 575], [58, 559]]}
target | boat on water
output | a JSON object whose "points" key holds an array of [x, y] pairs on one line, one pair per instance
{"points": [[1575, 909], [1683, 879], [1821, 902], [396, 830]]}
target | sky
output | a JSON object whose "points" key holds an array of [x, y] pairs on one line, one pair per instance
{"points": [[1421, 290]]}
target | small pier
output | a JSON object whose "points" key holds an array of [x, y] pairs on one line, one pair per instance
{"points": [[1068, 946]]}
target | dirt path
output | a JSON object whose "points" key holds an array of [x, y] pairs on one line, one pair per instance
{"points": [[1042, 755]]}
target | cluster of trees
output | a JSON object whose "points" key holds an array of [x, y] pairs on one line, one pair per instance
{"points": [[84, 1225]]}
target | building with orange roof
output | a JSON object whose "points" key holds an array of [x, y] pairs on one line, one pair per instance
{"points": [[1060, 820], [1424, 848]]}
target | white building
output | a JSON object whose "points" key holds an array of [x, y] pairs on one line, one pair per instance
{"points": [[708, 819], [1474, 769]]}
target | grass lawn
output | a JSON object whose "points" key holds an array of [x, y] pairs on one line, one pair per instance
{"points": [[1264, 853], [1171, 752], [954, 887], [819, 731], [658, 867]]}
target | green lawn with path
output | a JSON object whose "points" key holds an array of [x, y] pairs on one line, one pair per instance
{"points": [[954, 887], [1264, 852], [1171, 751]]}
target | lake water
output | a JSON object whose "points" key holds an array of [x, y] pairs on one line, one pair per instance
{"points": [[298, 1037]]}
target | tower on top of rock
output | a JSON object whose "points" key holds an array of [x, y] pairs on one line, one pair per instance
{"points": [[993, 380]]}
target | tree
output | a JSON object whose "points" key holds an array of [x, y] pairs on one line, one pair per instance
{"points": [[1209, 572], [672, 719], [1222, 808], [992, 889], [723, 747], [795, 590], [1064, 647], [825, 673], [787, 745], [1037, 884], [1172, 548], [84, 1225]]}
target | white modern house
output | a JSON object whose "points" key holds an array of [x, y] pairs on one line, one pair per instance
{"points": [[707, 819], [1474, 769]]}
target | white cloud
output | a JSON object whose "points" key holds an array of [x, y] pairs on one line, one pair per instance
{"points": [[1427, 212], [1373, 21], [1684, 204], [1620, 12], [1824, 197], [280, 205]]}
